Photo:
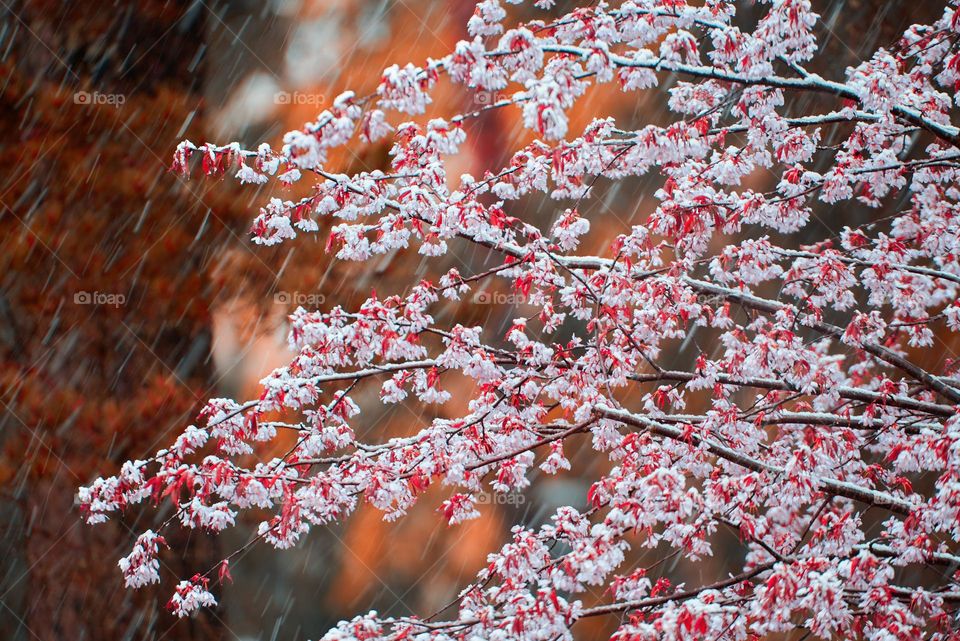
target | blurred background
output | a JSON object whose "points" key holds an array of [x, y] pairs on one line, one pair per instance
{"points": [[129, 296]]}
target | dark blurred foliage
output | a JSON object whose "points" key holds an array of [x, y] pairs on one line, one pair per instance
{"points": [[106, 297]]}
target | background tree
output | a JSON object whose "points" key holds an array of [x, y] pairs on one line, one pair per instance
{"points": [[106, 295]]}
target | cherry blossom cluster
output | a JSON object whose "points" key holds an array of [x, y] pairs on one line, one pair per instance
{"points": [[815, 420]]}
